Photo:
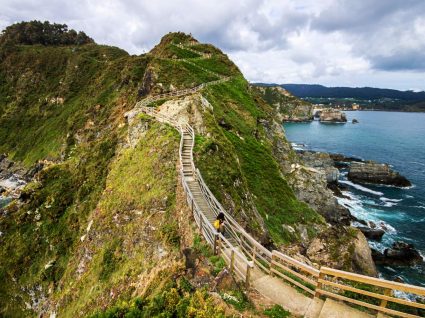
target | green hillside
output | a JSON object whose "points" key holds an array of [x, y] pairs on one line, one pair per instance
{"points": [[104, 223]]}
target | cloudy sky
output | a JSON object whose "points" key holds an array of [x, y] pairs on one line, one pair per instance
{"points": [[379, 43]]}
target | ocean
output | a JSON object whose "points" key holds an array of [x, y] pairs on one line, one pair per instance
{"points": [[392, 137]]}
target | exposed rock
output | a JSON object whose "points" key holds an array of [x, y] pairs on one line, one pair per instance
{"points": [[355, 121], [190, 258], [373, 172], [373, 234], [321, 161], [362, 256], [310, 186], [288, 108], [400, 253], [342, 248], [332, 116], [341, 161]]}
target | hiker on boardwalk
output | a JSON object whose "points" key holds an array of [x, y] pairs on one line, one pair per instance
{"points": [[219, 223]]}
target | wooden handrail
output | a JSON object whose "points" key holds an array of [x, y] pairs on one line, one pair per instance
{"points": [[373, 281]]}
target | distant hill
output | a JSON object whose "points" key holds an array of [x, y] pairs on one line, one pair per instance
{"points": [[307, 90]]}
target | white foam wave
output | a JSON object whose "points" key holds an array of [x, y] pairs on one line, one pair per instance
{"points": [[418, 206], [390, 200], [361, 188], [296, 146]]}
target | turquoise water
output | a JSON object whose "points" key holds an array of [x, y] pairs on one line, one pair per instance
{"points": [[391, 137]]}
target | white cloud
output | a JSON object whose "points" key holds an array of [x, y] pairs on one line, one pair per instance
{"points": [[333, 42]]}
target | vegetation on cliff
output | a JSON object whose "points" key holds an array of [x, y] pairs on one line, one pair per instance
{"points": [[103, 225]]}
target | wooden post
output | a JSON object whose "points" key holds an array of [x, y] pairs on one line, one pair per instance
{"points": [[192, 204], [387, 292], [216, 243], [232, 260], [249, 267], [253, 253], [319, 284], [271, 265]]}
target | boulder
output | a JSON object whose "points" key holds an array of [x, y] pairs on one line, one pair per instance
{"points": [[401, 253], [377, 173], [321, 161], [310, 186], [372, 234], [362, 260], [355, 121], [344, 249], [332, 116]]}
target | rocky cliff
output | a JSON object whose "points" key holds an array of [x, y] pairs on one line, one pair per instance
{"points": [[288, 108], [104, 222]]}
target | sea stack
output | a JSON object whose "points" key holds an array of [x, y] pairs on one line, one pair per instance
{"points": [[332, 116], [377, 173]]}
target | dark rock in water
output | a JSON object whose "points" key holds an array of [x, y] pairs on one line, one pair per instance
{"points": [[335, 189], [355, 121], [341, 161], [377, 173], [359, 220], [400, 253], [373, 234]]}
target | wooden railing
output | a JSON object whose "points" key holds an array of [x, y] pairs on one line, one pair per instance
{"points": [[359, 290], [377, 294]]}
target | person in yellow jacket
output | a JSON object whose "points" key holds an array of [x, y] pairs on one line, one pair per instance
{"points": [[219, 223]]}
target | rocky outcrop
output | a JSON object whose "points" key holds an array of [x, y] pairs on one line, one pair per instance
{"points": [[372, 234], [321, 161], [332, 116], [342, 248], [401, 253], [362, 260], [288, 108], [310, 186], [378, 173]]}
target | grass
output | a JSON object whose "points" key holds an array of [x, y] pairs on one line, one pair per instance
{"points": [[239, 153], [276, 312], [84, 77]]}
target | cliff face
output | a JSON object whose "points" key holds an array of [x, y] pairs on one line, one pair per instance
{"points": [[103, 219], [287, 107]]}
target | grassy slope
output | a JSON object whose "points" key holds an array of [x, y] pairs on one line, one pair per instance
{"points": [[253, 165], [97, 83], [31, 127]]}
